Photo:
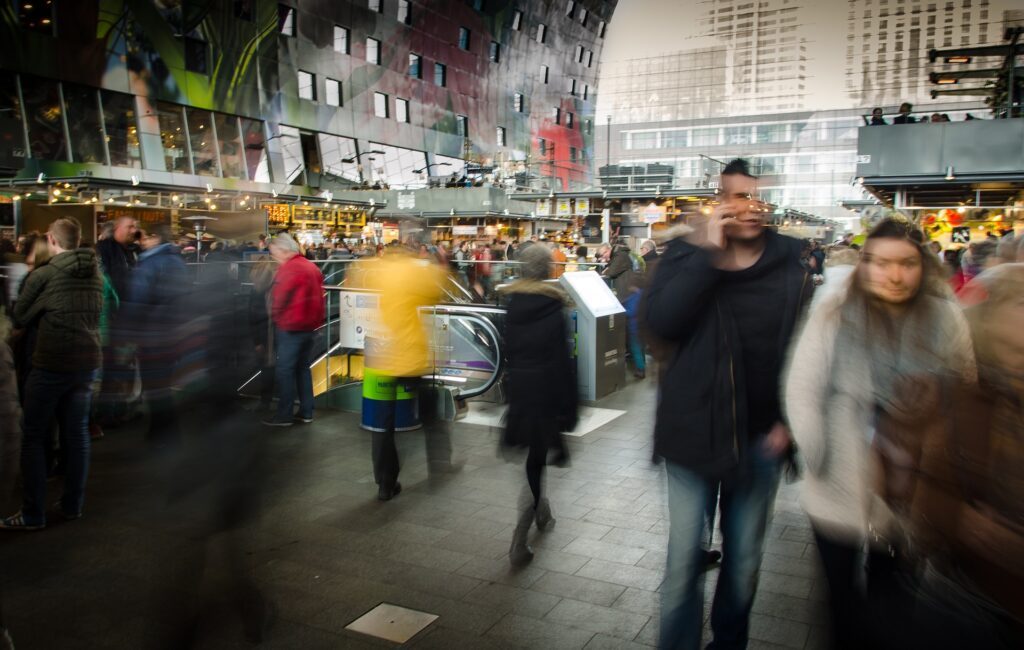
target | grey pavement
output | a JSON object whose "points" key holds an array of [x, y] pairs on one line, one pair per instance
{"points": [[325, 551]]}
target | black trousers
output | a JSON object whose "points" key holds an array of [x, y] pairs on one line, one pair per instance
{"points": [[842, 563], [385, 452]]}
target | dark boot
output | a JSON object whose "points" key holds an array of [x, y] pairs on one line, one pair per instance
{"points": [[520, 552], [544, 519]]}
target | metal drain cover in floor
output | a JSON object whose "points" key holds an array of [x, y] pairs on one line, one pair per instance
{"points": [[391, 622]]}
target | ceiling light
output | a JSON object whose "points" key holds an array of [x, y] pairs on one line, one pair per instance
{"points": [[174, 197], [946, 81], [958, 59], [213, 206], [135, 180], [16, 197], [56, 192], [949, 173]]}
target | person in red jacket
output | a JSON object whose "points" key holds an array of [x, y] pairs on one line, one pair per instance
{"points": [[297, 310]]}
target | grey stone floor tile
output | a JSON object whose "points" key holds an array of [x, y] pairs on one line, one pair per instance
{"points": [[786, 585], [509, 599], [779, 631], [798, 534], [783, 547], [639, 601], [605, 642], [581, 529], [439, 637], [619, 519], [579, 588], [636, 539], [622, 574], [603, 620], [654, 560], [553, 560], [601, 550], [470, 544], [501, 571], [789, 608], [801, 567], [533, 633], [649, 635]]}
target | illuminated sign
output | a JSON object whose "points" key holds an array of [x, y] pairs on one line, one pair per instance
{"points": [[279, 213]]}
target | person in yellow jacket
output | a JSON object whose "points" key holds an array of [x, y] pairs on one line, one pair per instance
{"points": [[397, 347]]}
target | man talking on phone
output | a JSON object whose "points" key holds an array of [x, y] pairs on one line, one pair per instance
{"points": [[726, 299]]}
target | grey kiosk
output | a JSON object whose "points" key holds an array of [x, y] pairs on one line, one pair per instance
{"points": [[600, 335]]}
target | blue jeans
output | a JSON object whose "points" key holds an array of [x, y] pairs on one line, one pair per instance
{"points": [[294, 354], [747, 497], [67, 397]]}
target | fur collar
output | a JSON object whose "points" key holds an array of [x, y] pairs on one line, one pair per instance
{"points": [[549, 289]]}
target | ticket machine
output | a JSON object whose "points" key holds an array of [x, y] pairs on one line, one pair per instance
{"points": [[600, 335]]}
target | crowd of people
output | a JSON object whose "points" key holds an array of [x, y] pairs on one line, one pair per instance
{"points": [[888, 373]]}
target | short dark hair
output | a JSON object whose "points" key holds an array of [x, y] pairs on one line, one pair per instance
{"points": [[67, 232], [161, 231], [738, 167]]}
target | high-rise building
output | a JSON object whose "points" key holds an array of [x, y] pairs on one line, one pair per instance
{"points": [[298, 95]]}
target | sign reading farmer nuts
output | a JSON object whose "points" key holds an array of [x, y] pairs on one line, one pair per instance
{"points": [[279, 213]]}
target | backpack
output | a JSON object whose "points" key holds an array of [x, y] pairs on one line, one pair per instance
{"points": [[638, 262]]}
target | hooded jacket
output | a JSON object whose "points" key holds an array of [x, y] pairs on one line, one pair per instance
{"points": [[541, 378], [701, 420], [66, 296]]}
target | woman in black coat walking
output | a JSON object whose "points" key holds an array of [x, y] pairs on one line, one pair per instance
{"points": [[541, 385]]}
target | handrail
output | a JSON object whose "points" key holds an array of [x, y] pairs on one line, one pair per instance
{"points": [[489, 327]]}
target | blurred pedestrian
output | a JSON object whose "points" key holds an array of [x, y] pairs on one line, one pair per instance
{"points": [[66, 297], [893, 324], [10, 413], [905, 117], [876, 118], [542, 397], [728, 299], [117, 260], [297, 310], [261, 327], [154, 313], [398, 351]]}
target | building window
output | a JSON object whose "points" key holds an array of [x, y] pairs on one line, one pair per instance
{"points": [[570, 8], [583, 16], [579, 54], [569, 120], [544, 70], [415, 66], [572, 154], [462, 125], [332, 94], [373, 50], [542, 146], [600, 29], [197, 58], [244, 9], [341, 39], [254, 141], [501, 136], [172, 136], [558, 115], [380, 105], [37, 16], [517, 102], [495, 52], [517, 20], [588, 127], [307, 86], [542, 33], [586, 91], [402, 110], [440, 74], [572, 86], [85, 123], [42, 113], [204, 145], [404, 12], [590, 58], [286, 20], [463, 38], [376, 5], [121, 129]]}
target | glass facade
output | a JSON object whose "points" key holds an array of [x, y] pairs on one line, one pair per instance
{"points": [[334, 151], [173, 137], [121, 129], [43, 115], [254, 141], [203, 142], [85, 121], [229, 138], [396, 166]]}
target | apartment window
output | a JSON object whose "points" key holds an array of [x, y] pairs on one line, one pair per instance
{"points": [[495, 52], [286, 20], [517, 20], [341, 39], [517, 102], [84, 122], [588, 127], [332, 92], [569, 120], [542, 33], [463, 38], [307, 86], [380, 105], [583, 16], [572, 154], [404, 12], [402, 110], [501, 136], [244, 9], [586, 91], [570, 8], [558, 115], [544, 70], [590, 58], [462, 125], [415, 66], [440, 74], [579, 54], [197, 58], [600, 29], [572, 86], [373, 50], [542, 146], [376, 5]]}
